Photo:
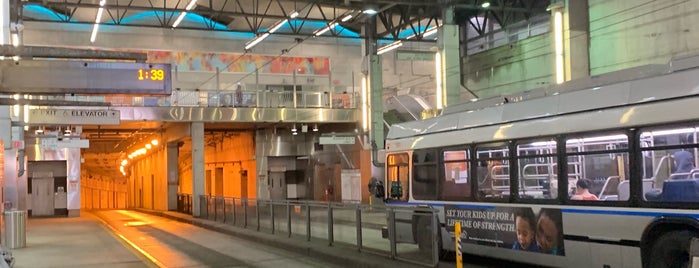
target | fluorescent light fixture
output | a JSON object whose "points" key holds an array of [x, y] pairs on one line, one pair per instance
{"points": [[325, 29], [668, 132], [315, 128], [558, 39], [370, 11], [430, 31], [293, 14], [179, 19], [365, 105], [154, 142], [438, 76], [191, 4], [277, 26], [620, 137], [346, 18], [94, 33], [98, 19], [485, 4], [255, 41], [389, 47], [293, 129]]}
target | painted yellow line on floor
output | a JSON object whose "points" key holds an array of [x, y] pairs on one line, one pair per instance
{"points": [[143, 253]]}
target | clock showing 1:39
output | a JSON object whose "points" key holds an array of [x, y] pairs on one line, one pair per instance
{"points": [[151, 74]]}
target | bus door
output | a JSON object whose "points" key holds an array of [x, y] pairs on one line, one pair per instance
{"points": [[397, 189]]}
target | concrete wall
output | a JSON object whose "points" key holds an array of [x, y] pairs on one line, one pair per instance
{"points": [[632, 33], [232, 151], [510, 68], [148, 181], [623, 34]]}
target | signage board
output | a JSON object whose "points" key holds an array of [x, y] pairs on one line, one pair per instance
{"points": [[508, 227], [73, 117], [53, 143], [336, 140]]}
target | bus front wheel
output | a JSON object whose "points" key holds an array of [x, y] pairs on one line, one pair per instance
{"points": [[672, 249]]}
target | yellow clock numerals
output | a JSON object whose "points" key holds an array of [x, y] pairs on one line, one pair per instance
{"points": [[157, 75], [151, 75]]}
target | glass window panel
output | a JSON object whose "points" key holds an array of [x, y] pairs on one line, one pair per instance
{"points": [[455, 184], [602, 177], [493, 171], [425, 184], [669, 175], [604, 142], [537, 169], [598, 167], [668, 137]]}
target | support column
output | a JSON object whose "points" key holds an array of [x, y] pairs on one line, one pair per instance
{"points": [[374, 88], [16, 26], [576, 36], [570, 34], [4, 22], [173, 175], [197, 135], [448, 62]]}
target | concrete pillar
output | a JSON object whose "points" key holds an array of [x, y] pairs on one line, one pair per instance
{"points": [[173, 175], [576, 36], [197, 134], [570, 34], [73, 156], [449, 61], [11, 181], [374, 86], [4, 22]]}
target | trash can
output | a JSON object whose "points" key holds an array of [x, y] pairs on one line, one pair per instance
{"points": [[15, 230]]}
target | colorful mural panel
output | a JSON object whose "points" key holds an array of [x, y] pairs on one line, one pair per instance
{"points": [[241, 63]]}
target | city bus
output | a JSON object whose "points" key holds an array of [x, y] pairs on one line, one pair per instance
{"points": [[598, 172]]}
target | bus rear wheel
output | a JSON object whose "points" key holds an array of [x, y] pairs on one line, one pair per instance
{"points": [[672, 249]]}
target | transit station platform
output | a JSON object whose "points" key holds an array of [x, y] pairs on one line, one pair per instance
{"points": [[142, 238]]}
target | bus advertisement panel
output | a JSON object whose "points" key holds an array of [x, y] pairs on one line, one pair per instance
{"points": [[518, 228]]}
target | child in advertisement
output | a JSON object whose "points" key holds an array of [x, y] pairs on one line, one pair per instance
{"points": [[525, 224]]}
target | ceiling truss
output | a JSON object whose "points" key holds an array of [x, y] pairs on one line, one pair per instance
{"points": [[257, 16]]}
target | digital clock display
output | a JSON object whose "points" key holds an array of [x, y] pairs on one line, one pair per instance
{"points": [[151, 74], [85, 77]]}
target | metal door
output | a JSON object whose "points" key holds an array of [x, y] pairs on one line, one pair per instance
{"points": [[42, 196], [218, 186], [277, 185], [244, 183]]}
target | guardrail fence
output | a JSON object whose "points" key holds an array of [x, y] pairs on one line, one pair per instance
{"points": [[355, 225]]}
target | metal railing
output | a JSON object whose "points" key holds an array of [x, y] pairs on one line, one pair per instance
{"points": [[184, 203], [355, 225], [258, 99]]}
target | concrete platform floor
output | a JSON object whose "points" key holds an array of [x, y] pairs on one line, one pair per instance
{"points": [[122, 238]]}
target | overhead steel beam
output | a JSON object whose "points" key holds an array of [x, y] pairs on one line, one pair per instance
{"points": [[69, 53]]}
